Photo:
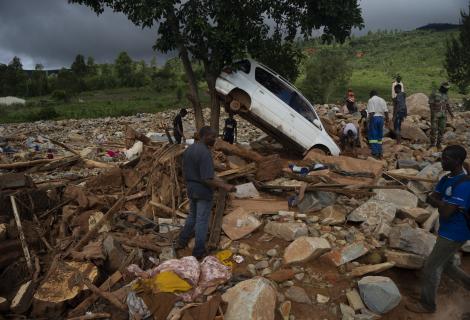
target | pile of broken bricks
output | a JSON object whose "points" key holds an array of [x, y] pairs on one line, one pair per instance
{"points": [[67, 242]]}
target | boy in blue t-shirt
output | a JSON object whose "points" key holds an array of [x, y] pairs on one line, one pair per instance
{"points": [[452, 198]]}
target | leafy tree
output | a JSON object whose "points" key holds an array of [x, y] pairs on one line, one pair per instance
{"points": [[39, 81], [16, 80], [68, 82], [79, 67], [216, 32], [124, 70], [327, 71], [91, 67], [457, 59]]}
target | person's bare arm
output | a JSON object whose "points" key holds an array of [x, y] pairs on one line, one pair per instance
{"points": [[217, 183], [445, 209]]}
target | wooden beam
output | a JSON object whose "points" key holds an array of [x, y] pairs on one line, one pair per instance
{"points": [[216, 226]]}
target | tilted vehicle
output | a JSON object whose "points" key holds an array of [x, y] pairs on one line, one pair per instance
{"points": [[270, 102]]}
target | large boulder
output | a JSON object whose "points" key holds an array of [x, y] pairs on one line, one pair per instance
{"points": [[305, 248], [380, 294], [340, 256], [399, 198], [288, 231], [333, 215], [415, 240], [239, 223], [251, 299], [418, 104], [411, 131], [405, 260], [373, 208]]}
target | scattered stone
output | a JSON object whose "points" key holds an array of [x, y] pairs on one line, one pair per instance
{"points": [[407, 164], [246, 190], [288, 231], [261, 264], [272, 252], [373, 208], [252, 269], [284, 309], [405, 260], [346, 311], [251, 299], [380, 294], [22, 300], [239, 223], [354, 300], [333, 215], [419, 215], [282, 275], [266, 271], [297, 294], [340, 256], [400, 198], [322, 299], [305, 248], [168, 253], [375, 268], [415, 240], [316, 200], [299, 276]]}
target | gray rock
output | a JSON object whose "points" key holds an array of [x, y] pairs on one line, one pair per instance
{"points": [[405, 260], [297, 294], [373, 208], [251, 299], [347, 312], [272, 253], [415, 240], [333, 215], [407, 164], [432, 171], [288, 231], [380, 294], [115, 254], [399, 198], [262, 264], [316, 200]]}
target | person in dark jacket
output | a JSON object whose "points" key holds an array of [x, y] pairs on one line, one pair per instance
{"points": [[400, 111], [230, 129], [178, 131]]}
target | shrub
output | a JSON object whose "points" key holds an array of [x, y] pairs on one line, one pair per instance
{"points": [[60, 95]]}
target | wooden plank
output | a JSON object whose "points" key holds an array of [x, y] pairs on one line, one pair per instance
{"points": [[106, 286], [260, 205], [216, 226]]}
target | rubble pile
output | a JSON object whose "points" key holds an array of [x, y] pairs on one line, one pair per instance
{"points": [[91, 210]]}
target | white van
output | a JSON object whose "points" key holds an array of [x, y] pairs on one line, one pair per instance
{"points": [[271, 103]]}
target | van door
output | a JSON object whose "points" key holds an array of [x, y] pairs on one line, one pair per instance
{"points": [[272, 97]]}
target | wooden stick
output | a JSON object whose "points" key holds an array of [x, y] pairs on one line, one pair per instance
{"points": [[214, 236], [39, 232], [63, 145], [105, 286], [100, 315], [21, 233], [168, 209], [139, 244], [411, 178], [26, 164]]}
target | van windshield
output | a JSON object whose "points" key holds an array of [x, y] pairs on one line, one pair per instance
{"points": [[285, 93]]}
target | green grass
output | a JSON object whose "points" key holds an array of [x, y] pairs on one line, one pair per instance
{"points": [[416, 55]]}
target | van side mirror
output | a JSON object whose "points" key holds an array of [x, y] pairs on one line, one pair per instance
{"points": [[317, 123]]}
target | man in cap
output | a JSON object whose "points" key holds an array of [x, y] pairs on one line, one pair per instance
{"points": [[439, 105]]}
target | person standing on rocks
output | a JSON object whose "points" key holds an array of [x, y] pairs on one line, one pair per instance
{"points": [[198, 172], [376, 110], [395, 83], [230, 129], [452, 198], [400, 111], [178, 132], [351, 102], [439, 105]]}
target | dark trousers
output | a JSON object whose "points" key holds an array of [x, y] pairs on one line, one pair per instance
{"points": [[197, 223], [441, 259], [177, 137]]}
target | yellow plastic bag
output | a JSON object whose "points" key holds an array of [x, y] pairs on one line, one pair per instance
{"points": [[225, 256], [166, 281]]}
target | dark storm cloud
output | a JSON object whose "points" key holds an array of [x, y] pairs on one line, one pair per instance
{"points": [[52, 32]]}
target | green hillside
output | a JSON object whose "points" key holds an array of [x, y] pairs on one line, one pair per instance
{"points": [[416, 55], [375, 58]]}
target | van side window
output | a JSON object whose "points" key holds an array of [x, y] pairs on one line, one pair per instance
{"points": [[273, 84], [299, 104], [243, 65]]}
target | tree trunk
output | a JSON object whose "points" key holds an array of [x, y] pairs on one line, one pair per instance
{"points": [[215, 103], [193, 90]]}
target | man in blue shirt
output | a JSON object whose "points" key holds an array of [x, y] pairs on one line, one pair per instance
{"points": [[198, 171], [452, 198]]}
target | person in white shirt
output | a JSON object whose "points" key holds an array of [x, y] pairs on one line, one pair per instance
{"points": [[377, 110], [397, 82], [350, 138]]}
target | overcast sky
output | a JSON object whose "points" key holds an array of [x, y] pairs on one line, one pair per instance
{"points": [[53, 32]]}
